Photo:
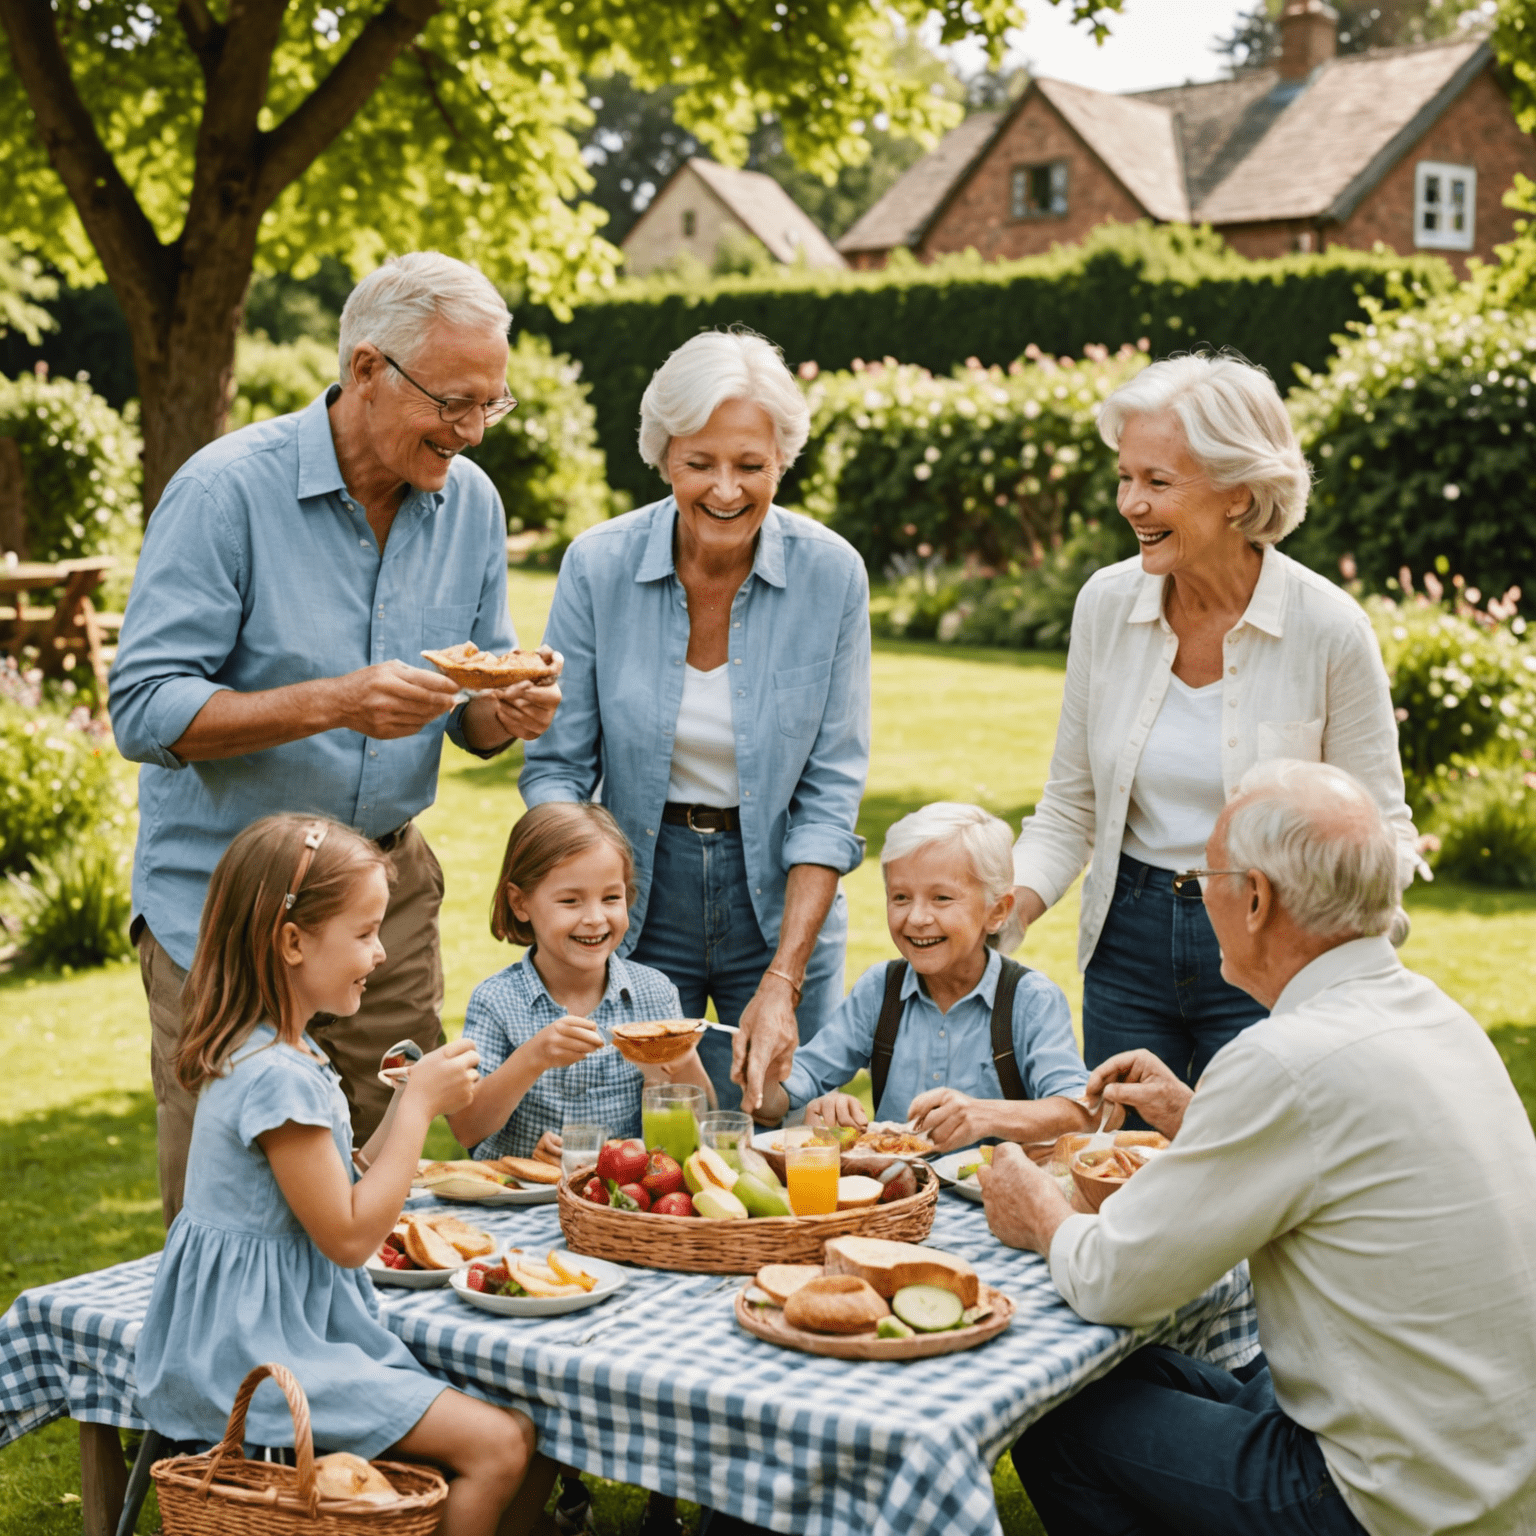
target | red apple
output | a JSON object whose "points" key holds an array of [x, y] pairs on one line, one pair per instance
{"points": [[637, 1193], [663, 1174], [679, 1203], [622, 1161], [595, 1191]]}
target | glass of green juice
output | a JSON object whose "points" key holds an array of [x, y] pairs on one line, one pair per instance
{"points": [[669, 1118]]}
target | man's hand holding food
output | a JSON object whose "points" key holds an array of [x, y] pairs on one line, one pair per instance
{"points": [[1024, 1204], [523, 711], [1138, 1080]]}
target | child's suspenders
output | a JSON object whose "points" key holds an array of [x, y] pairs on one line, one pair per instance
{"points": [[1002, 1029]]}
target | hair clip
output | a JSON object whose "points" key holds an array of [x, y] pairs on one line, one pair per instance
{"points": [[312, 840]]}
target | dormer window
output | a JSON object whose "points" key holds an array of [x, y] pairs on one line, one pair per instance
{"points": [[690, 223], [1039, 191], [1444, 206]]}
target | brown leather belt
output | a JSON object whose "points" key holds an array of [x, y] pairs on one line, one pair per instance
{"points": [[702, 818], [392, 840]]}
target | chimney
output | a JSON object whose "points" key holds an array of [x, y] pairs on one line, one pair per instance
{"points": [[1309, 32]]}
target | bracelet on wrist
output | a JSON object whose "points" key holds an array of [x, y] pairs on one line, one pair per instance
{"points": [[789, 981]]}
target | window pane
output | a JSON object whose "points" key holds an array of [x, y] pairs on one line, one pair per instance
{"points": [[1018, 194], [1059, 187]]}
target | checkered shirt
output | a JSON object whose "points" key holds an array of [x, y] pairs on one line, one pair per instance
{"points": [[508, 1009], [660, 1387]]}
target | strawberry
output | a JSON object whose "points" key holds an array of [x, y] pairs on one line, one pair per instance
{"points": [[678, 1203], [622, 1161], [595, 1191], [663, 1175], [631, 1197]]}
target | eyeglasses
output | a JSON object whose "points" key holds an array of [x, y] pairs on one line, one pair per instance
{"points": [[1184, 876], [455, 408]]}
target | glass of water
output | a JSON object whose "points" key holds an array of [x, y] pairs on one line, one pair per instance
{"points": [[580, 1142]]}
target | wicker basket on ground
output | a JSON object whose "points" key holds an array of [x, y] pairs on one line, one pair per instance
{"points": [[222, 1494], [734, 1247]]}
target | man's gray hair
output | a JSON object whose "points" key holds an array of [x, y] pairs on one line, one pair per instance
{"points": [[1322, 841], [1237, 429], [397, 304], [705, 372]]}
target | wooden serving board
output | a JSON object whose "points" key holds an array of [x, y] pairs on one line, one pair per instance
{"points": [[768, 1323]]}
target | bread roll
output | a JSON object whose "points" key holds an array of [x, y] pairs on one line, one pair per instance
{"points": [[470, 1242], [528, 1170], [781, 1281], [889, 1266], [341, 1475], [835, 1304], [428, 1249]]}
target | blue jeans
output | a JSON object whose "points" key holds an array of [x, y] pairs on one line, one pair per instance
{"points": [[1155, 977], [1169, 1446], [702, 933]]}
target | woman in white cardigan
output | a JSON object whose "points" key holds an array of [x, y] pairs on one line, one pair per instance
{"points": [[1188, 664]]}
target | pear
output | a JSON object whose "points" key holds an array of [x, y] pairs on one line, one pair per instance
{"points": [[757, 1166], [759, 1198], [716, 1204]]}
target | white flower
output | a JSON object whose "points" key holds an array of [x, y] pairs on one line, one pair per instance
{"points": [[923, 472], [1451, 492]]}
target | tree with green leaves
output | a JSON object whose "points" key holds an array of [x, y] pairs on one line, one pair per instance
{"points": [[176, 145], [1255, 38]]}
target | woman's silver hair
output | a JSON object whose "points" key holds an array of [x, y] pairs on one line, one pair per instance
{"points": [[397, 304], [987, 842], [1322, 841], [1237, 430], [705, 372]]}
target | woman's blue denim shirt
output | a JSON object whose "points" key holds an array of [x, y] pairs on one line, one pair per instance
{"points": [[799, 657]]}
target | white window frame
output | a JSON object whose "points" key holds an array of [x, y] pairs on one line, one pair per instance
{"points": [[1442, 193], [1018, 190]]}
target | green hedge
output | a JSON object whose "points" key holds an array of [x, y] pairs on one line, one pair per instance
{"points": [[1176, 286]]}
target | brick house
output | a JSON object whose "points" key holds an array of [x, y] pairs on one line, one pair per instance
{"points": [[1412, 146], [703, 204]]}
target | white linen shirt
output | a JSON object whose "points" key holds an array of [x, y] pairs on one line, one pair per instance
{"points": [[1364, 1149], [1301, 677]]}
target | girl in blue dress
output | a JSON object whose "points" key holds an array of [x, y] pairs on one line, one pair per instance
{"points": [[263, 1263]]}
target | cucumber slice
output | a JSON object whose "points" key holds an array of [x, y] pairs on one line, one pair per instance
{"points": [[892, 1328], [973, 1315], [928, 1308]]}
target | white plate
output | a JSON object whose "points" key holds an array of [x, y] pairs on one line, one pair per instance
{"points": [[948, 1166], [408, 1279], [768, 1141], [535, 1194], [610, 1278]]}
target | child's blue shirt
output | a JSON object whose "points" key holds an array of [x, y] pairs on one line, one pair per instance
{"points": [[508, 1009], [943, 1050]]}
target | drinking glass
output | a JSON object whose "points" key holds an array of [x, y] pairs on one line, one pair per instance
{"points": [[727, 1131], [811, 1169], [580, 1142], [669, 1118]]}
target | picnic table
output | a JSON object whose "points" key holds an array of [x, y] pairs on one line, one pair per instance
{"points": [[660, 1387], [69, 627]]}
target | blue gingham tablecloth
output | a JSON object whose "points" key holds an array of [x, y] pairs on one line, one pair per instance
{"points": [[659, 1386]]}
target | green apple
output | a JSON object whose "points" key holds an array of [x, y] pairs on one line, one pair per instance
{"points": [[754, 1163], [716, 1204]]}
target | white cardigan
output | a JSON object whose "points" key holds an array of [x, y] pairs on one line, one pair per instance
{"points": [[1302, 677]]}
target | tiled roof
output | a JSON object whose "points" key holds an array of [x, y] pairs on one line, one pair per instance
{"points": [[1340, 132], [1219, 122], [1135, 138], [902, 215], [768, 212]]}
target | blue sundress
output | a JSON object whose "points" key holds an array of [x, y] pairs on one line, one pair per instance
{"points": [[241, 1283]]}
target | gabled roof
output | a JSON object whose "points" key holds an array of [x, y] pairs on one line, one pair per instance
{"points": [[1137, 140], [902, 216], [1336, 137], [768, 212], [1245, 150]]}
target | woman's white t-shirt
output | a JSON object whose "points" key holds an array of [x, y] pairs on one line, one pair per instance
{"points": [[1177, 793], [704, 746]]}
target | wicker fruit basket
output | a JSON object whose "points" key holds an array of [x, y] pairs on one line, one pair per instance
{"points": [[734, 1247], [223, 1494]]}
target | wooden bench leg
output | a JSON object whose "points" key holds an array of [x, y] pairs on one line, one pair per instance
{"points": [[103, 1478]]}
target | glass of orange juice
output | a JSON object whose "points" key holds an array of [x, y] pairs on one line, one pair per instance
{"points": [[811, 1168]]}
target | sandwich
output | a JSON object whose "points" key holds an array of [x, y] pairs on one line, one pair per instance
{"points": [[890, 1267], [835, 1304], [470, 667], [341, 1475], [526, 1170]]}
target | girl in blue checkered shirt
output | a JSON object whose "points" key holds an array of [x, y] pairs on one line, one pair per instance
{"points": [[566, 884]]}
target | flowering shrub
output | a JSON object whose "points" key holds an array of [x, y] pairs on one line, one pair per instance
{"points": [[1485, 829], [983, 467], [1423, 435], [57, 784], [81, 463]]}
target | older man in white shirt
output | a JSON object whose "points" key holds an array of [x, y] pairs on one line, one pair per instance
{"points": [[1364, 1149]]}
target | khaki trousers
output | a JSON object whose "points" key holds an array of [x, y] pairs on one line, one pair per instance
{"points": [[404, 1000]]}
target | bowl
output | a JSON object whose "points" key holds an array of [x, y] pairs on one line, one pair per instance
{"points": [[657, 1041], [1094, 1188]]}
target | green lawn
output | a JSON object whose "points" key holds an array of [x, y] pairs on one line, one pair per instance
{"points": [[77, 1116]]}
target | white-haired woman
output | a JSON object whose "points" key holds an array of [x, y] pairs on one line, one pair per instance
{"points": [[1208, 653], [716, 698]]}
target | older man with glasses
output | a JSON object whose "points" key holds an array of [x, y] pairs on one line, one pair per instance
{"points": [[1364, 1149], [291, 577]]}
